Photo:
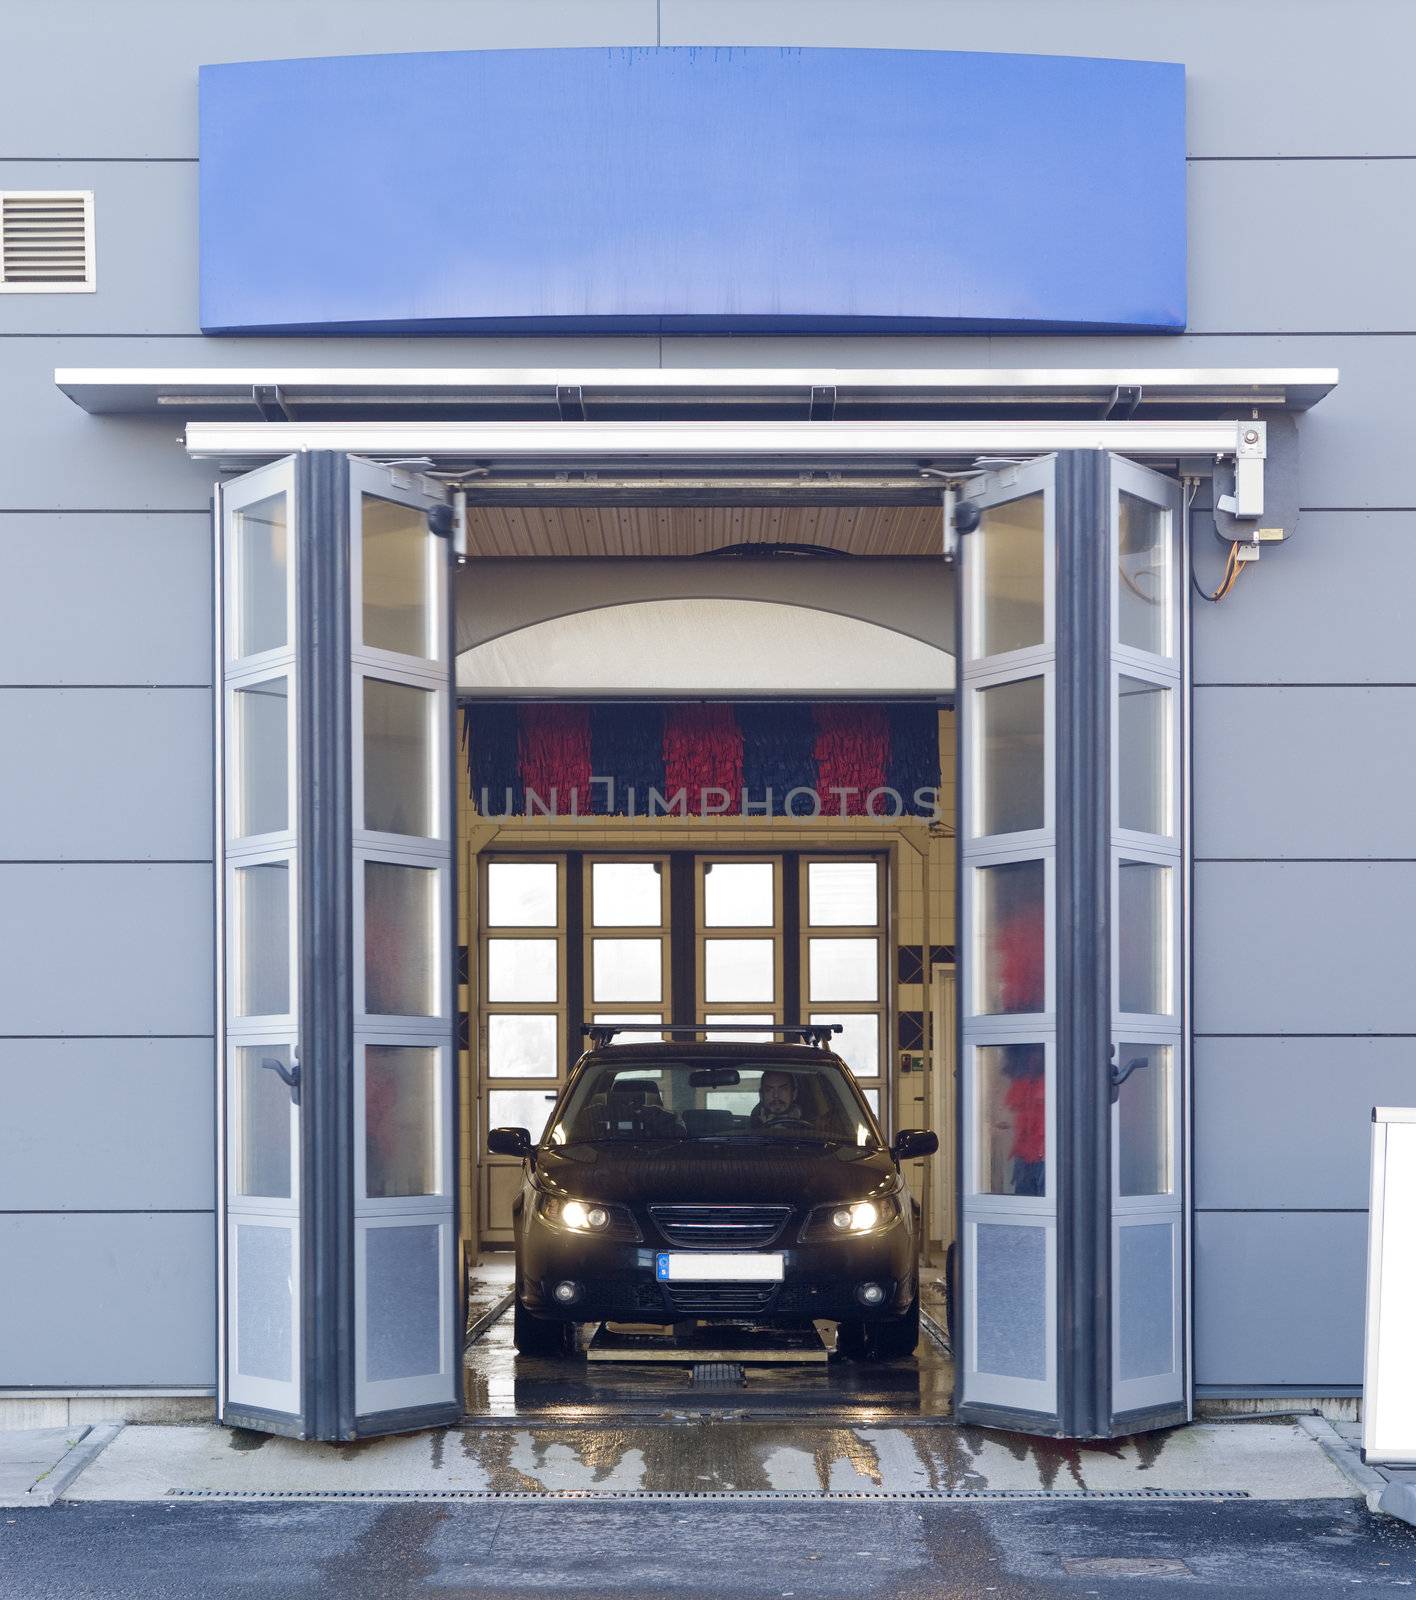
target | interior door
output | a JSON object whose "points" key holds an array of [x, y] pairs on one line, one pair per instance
{"points": [[1072, 1272], [339, 1316]]}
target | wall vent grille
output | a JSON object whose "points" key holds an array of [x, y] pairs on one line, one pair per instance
{"points": [[46, 241]]}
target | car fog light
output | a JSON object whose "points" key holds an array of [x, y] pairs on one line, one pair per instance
{"points": [[567, 1293], [870, 1294]]}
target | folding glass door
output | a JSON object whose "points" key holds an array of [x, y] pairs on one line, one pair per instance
{"points": [[1072, 1240], [339, 1316]]}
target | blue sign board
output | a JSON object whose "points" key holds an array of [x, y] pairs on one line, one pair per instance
{"points": [[693, 190]]}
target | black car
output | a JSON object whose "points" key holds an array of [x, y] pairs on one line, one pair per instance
{"points": [[722, 1182]]}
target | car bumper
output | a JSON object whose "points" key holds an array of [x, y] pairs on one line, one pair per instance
{"points": [[618, 1282]]}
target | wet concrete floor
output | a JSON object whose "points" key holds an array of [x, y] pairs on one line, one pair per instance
{"points": [[503, 1387]]}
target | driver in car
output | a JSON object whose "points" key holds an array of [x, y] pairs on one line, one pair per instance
{"points": [[777, 1103]]}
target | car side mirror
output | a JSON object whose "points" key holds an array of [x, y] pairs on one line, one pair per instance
{"points": [[911, 1143], [510, 1142]]}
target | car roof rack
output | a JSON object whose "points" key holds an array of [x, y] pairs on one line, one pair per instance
{"points": [[812, 1033]]}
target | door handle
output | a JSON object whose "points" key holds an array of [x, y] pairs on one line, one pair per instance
{"points": [[1120, 1074], [289, 1076]]}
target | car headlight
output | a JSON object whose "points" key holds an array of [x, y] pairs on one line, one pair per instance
{"points": [[588, 1217], [851, 1220]]}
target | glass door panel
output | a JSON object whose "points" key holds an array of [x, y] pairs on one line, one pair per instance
{"points": [[738, 941], [522, 992], [844, 961], [1148, 1244], [263, 1245], [1073, 1025], [406, 1341]]}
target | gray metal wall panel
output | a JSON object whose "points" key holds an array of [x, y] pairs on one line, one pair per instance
{"points": [[1279, 1298], [1271, 77], [141, 288], [105, 599], [1313, 772], [1265, 78], [1332, 605], [1352, 225], [1354, 276], [1304, 947], [106, 1125], [1285, 1124], [105, 949], [119, 1300], [106, 774], [70, 101]]}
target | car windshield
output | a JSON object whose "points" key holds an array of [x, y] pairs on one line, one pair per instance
{"points": [[718, 1100]]}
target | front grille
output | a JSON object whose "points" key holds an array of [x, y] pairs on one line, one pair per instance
{"points": [[721, 1299], [720, 1227]]}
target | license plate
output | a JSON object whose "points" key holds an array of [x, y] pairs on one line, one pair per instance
{"points": [[709, 1266]]}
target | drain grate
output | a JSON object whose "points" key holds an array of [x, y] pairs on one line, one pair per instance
{"points": [[1126, 1567], [637, 1496], [718, 1375]]}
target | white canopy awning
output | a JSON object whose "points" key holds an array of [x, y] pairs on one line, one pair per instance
{"points": [[273, 393]]}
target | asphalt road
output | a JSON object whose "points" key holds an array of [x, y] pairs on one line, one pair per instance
{"points": [[301, 1551]]}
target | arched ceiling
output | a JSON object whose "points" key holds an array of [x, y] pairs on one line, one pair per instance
{"points": [[709, 647]]}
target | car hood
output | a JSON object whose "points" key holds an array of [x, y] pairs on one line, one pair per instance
{"points": [[705, 1172]]}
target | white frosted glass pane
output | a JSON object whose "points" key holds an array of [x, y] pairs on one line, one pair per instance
{"points": [[872, 1099], [521, 969], [520, 1108], [627, 969], [1010, 1303], [400, 940], [1145, 576], [265, 1288], [1145, 1281], [842, 894], [738, 969], [626, 894], [1010, 1095], [1143, 938], [521, 1046], [741, 1017], [398, 759], [632, 1016], [263, 1116], [1008, 547], [1143, 755], [1011, 757], [858, 1044], [398, 597], [400, 1121], [263, 940], [843, 969], [521, 894], [260, 558], [402, 1302], [1011, 934], [262, 759], [738, 894]]}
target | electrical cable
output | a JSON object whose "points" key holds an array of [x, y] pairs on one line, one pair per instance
{"points": [[1233, 566]]}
